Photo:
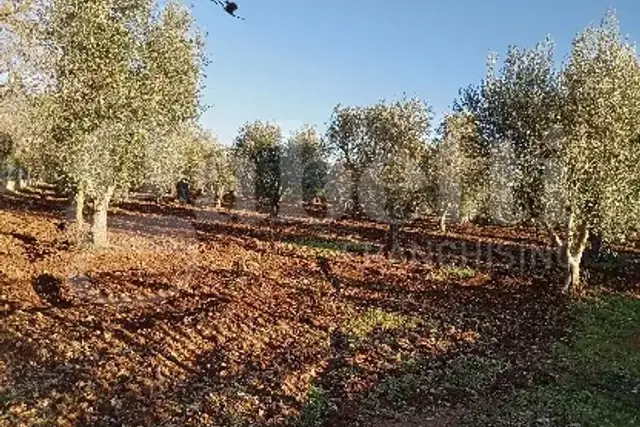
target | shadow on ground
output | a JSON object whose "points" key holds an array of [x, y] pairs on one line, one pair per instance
{"points": [[283, 342]]}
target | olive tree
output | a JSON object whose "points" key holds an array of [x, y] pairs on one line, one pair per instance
{"points": [[339, 190], [593, 175], [349, 141], [11, 10], [175, 155], [17, 50], [400, 132], [515, 106], [260, 144], [120, 76], [20, 60], [456, 169], [308, 147], [210, 167], [11, 130], [501, 183]]}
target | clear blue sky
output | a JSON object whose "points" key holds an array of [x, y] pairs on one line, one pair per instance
{"points": [[291, 61]]}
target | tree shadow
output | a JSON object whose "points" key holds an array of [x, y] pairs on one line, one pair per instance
{"points": [[242, 346], [435, 249], [229, 351], [71, 348], [36, 250], [40, 200], [151, 226], [511, 324], [154, 208]]}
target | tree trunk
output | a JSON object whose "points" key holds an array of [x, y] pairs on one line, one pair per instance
{"points": [[79, 207], [99, 224], [355, 194], [392, 241], [218, 199], [275, 208], [443, 220], [572, 274], [183, 191], [572, 249], [21, 179]]}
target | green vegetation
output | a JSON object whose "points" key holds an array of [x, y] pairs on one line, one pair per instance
{"points": [[453, 272], [113, 89], [597, 374], [336, 245], [316, 410], [464, 379], [365, 323]]}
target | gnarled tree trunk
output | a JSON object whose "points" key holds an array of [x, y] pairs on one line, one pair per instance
{"points": [[572, 275], [183, 191], [571, 250], [99, 223]]}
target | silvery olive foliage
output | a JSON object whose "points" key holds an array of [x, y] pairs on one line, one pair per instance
{"points": [[379, 153], [12, 122], [565, 140], [306, 151], [339, 190], [457, 169], [517, 104], [214, 172], [380, 147], [500, 204], [17, 51], [259, 145], [18, 66], [594, 153], [399, 132], [188, 153], [124, 80], [349, 143]]}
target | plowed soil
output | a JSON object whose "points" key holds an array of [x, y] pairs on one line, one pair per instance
{"points": [[198, 317]]}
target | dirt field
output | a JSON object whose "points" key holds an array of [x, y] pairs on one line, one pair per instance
{"points": [[197, 317]]}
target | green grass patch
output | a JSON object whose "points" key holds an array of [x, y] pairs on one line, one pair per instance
{"points": [[469, 376], [336, 245], [560, 405], [419, 382], [5, 399], [597, 374], [365, 323], [455, 272], [316, 410], [5, 402], [234, 406]]}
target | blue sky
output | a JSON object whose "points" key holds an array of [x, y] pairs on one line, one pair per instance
{"points": [[291, 61]]}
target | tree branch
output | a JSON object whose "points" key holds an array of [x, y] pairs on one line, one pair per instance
{"points": [[569, 230], [555, 239], [583, 235]]}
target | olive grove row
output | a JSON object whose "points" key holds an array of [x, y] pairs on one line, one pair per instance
{"points": [[102, 97]]}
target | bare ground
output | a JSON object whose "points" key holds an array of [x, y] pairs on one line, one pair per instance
{"points": [[197, 317]]}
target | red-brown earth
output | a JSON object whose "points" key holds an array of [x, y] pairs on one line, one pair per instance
{"points": [[198, 317]]}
